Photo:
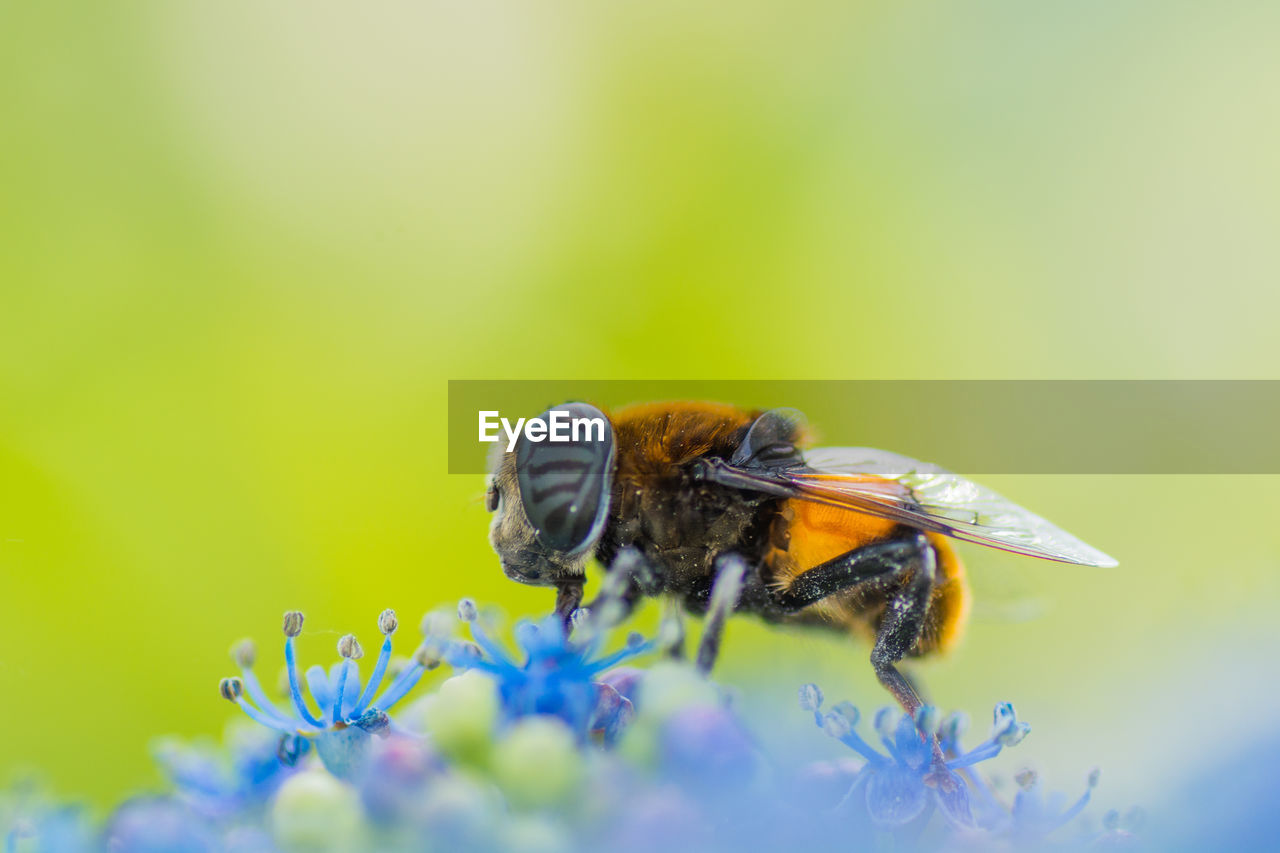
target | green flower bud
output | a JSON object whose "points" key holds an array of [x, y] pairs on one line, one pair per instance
{"points": [[314, 812], [669, 687], [537, 764], [534, 834], [460, 717]]}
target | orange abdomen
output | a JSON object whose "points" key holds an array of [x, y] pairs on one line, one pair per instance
{"points": [[809, 534]]}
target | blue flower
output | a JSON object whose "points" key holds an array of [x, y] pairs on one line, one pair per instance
{"points": [[347, 715], [560, 676], [218, 783], [57, 829], [159, 825], [1035, 815], [911, 779]]}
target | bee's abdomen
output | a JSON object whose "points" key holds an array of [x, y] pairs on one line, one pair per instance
{"points": [[807, 534]]}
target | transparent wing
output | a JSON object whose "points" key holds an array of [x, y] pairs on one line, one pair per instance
{"points": [[932, 498], [914, 493]]}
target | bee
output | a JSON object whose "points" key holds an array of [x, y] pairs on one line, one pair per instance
{"points": [[851, 539]]}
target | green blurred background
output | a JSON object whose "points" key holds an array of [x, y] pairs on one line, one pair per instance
{"points": [[246, 244]]}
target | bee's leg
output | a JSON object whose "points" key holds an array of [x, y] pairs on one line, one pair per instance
{"points": [[620, 591], [731, 573], [568, 598], [904, 619], [887, 564], [671, 629]]}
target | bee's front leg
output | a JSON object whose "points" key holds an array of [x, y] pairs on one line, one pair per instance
{"points": [[568, 599], [731, 574]]}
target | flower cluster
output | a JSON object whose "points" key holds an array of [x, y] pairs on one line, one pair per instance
{"points": [[550, 745], [914, 775], [559, 675], [346, 716]]}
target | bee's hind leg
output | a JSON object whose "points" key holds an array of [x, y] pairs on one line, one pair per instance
{"points": [[904, 620], [888, 564]]}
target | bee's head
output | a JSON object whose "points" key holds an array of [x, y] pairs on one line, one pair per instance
{"points": [[550, 499]]}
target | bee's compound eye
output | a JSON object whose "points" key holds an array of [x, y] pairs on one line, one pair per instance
{"points": [[564, 486], [491, 497]]}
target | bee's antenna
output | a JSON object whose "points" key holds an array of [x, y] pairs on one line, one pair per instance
{"points": [[731, 573]]}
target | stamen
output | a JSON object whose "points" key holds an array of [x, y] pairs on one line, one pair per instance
{"points": [[836, 725], [926, 719], [244, 653], [1026, 778], [437, 625], [387, 622], [379, 669], [344, 675], [811, 697], [426, 658], [293, 623], [467, 611], [839, 724], [886, 721], [953, 726], [849, 710], [349, 647], [230, 690], [636, 645], [1014, 735], [1078, 805], [404, 682]]}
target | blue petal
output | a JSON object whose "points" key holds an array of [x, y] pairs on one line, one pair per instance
{"points": [[895, 796], [952, 796], [318, 684], [344, 751]]}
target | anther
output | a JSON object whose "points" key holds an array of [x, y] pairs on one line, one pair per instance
{"points": [[349, 647], [1003, 717], [436, 624], [1026, 778], [1014, 735], [811, 697], [426, 658], [1094, 774], [926, 719], [244, 653], [836, 724], [231, 689], [293, 623], [849, 711], [953, 726], [886, 721], [467, 610], [387, 622]]}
